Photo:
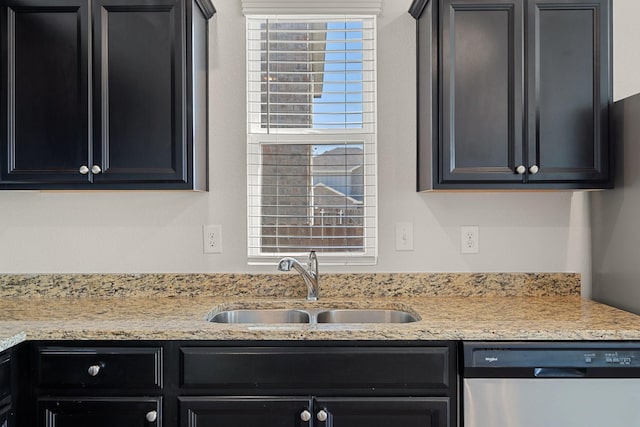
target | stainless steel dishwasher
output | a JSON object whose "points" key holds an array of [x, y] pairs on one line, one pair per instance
{"points": [[549, 384]]}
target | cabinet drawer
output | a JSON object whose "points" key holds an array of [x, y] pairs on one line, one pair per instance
{"points": [[99, 412], [99, 367], [363, 371]]}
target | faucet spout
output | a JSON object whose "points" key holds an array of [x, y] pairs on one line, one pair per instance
{"points": [[309, 274]]}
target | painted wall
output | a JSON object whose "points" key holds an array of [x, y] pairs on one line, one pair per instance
{"points": [[162, 232]]}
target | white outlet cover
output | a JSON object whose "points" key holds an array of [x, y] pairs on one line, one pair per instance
{"points": [[212, 239], [469, 239]]}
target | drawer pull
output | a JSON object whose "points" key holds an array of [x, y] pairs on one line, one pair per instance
{"points": [[305, 415], [152, 416], [322, 415], [94, 370]]}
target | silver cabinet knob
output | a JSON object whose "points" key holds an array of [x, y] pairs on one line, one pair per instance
{"points": [[305, 415], [321, 415], [95, 169], [521, 170], [83, 170], [94, 370], [151, 416], [534, 169]]}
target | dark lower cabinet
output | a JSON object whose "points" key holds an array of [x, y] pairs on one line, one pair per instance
{"points": [[239, 384], [382, 412], [244, 411], [320, 412], [99, 412]]}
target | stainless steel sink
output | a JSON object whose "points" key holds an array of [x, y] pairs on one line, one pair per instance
{"points": [[310, 316], [364, 316], [264, 316]]}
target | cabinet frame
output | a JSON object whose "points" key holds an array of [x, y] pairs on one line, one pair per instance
{"points": [[587, 163], [135, 162]]}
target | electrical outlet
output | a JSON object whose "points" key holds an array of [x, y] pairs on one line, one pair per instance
{"points": [[212, 239], [469, 240], [404, 236]]}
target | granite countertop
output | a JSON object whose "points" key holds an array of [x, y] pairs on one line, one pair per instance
{"points": [[489, 309]]}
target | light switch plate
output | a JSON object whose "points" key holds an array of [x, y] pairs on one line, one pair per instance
{"points": [[404, 236]]}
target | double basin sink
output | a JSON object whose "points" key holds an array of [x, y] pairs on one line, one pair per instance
{"points": [[310, 316]]}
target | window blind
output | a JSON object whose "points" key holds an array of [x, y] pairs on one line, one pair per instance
{"points": [[312, 137]]}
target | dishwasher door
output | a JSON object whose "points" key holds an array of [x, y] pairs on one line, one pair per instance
{"points": [[546, 402], [551, 384]]}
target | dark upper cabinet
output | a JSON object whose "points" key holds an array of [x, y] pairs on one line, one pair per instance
{"points": [[513, 94], [104, 94]]}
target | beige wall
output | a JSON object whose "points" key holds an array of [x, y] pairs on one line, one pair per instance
{"points": [[162, 232], [626, 48]]}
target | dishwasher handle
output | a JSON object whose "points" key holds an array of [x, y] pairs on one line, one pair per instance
{"points": [[559, 373]]}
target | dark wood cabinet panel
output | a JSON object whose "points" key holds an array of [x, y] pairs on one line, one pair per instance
{"points": [[309, 370], [389, 412], [47, 90], [99, 412], [513, 94], [567, 103], [482, 107], [139, 128], [99, 367], [243, 411], [104, 94]]}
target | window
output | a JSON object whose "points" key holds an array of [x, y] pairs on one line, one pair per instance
{"points": [[311, 137]]}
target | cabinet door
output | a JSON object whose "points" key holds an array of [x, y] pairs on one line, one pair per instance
{"points": [[482, 91], [244, 411], [139, 104], [569, 89], [390, 412], [44, 90], [99, 412]]}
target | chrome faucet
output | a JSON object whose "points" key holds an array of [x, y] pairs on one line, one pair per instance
{"points": [[309, 274]]}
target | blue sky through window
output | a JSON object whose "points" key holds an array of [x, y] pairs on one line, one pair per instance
{"points": [[340, 104]]}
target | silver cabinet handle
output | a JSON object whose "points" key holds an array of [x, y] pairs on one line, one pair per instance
{"points": [[94, 370], [321, 415], [534, 169], [95, 169], [305, 415], [520, 170], [151, 416], [83, 170]]}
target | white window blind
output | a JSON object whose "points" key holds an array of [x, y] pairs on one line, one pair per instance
{"points": [[311, 94]]}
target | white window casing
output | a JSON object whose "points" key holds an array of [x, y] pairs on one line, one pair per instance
{"points": [[311, 133]]}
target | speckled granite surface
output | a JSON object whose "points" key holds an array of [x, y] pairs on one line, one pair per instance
{"points": [[289, 285], [486, 311]]}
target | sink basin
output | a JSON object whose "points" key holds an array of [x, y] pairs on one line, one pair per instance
{"points": [[364, 316], [265, 316], [310, 316]]}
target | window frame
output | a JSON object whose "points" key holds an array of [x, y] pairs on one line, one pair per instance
{"points": [[367, 136]]}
